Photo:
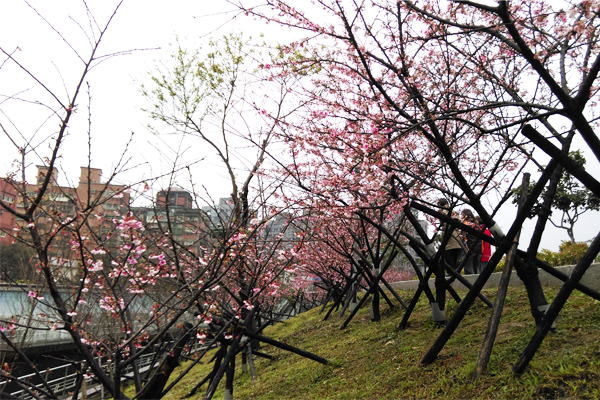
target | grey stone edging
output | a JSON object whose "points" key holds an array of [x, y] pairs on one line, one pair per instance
{"points": [[590, 279]]}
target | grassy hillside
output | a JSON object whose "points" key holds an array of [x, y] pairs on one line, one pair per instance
{"points": [[374, 360]]}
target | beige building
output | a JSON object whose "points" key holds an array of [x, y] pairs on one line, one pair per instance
{"points": [[89, 205]]}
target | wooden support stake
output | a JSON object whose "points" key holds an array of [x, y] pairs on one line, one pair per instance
{"points": [[501, 249], [261, 354], [327, 298], [222, 368], [494, 321], [340, 298], [199, 384], [286, 347], [411, 306], [423, 287], [557, 305], [394, 293], [468, 284], [562, 276]]}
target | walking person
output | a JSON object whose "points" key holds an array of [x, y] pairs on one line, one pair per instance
{"points": [[453, 250], [473, 244], [486, 248]]}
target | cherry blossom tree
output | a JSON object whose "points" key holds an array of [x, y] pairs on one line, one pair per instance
{"points": [[126, 287], [414, 101], [100, 281], [121, 292], [347, 254], [221, 97]]}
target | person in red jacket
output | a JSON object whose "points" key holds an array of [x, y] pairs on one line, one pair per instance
{"points": [[486, 248]]}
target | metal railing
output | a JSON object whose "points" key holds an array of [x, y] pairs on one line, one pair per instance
{"points": [[67, 383]]}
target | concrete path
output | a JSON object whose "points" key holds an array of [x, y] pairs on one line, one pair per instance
{"points": [[590, 279]]}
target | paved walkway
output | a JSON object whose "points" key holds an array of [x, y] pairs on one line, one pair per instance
{"points": [[590, 279]]}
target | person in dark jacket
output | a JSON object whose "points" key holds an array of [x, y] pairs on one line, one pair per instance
{"points": [[453, 250], [473, 243]]}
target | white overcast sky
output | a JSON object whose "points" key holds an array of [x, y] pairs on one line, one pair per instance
{"points": [[146, 26]]}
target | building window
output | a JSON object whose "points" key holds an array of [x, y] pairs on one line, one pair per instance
{"points": [[8, 199], [111, 206]]}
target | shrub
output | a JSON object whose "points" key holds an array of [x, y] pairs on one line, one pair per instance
{"points": [[500, 265], [549, 257], [569, 253]]}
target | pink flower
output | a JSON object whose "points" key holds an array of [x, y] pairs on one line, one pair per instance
{"points": [[97, 266]]}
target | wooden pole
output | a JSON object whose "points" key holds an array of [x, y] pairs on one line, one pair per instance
{"points": [[557, 305], [287, 347], [494, 321], [563, 277], [468, 284], [394, 293], [502, 248], [212, 387], [423, 287]]}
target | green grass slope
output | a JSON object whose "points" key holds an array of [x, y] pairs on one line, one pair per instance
{"points": [[373, 360]]}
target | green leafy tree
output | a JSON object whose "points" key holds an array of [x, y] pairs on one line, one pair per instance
{"points": [[228, 99], [16, 262], [571, 199]]}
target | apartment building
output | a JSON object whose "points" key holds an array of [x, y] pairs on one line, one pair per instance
{"points": [[90, 203], [8, 194], [174, 213]]}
